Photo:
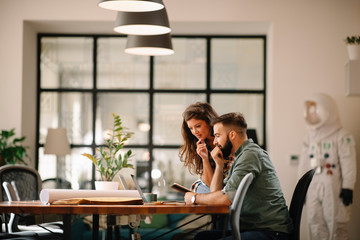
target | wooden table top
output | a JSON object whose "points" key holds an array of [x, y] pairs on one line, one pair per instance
{"points": [[36, 207]]}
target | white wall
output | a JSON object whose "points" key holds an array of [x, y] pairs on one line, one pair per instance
{"points": [[306, 54]]}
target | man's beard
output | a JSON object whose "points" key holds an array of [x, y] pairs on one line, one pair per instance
{"points": [[226, 150]]}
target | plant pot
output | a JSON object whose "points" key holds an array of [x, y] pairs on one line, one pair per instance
{"points": [[353, 51], [106, 185]]}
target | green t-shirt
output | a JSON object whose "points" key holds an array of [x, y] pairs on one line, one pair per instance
{"points": [[264, 206]]}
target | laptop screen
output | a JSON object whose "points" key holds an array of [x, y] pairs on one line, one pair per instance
{"points": [[123, 182], [138, 188]]}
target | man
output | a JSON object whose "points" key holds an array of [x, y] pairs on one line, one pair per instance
{"points": [[264, 213], [330, 149]]}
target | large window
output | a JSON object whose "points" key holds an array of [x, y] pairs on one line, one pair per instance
{"points": [[85, 78]]}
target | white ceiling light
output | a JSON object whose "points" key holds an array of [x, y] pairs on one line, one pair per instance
{"points": [[142, 23], [150, 45], [132, 5]]}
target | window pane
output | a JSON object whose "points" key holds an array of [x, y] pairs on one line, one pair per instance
{"points": [[66, 62], [73, 168], [72, 111], [184, 70], [237, 64], [117, 69], [141, 161], [168, 109], [133, 109], [251, 105], [168, 169]]}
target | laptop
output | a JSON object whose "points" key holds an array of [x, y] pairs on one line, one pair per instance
{"points": [[138, 188], [123, 182]]}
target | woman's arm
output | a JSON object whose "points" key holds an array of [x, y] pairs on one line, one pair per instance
{"points": [[217, 180], [208, 172]]}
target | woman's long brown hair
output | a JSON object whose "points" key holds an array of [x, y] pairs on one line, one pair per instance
{"points": [[187, 153]]}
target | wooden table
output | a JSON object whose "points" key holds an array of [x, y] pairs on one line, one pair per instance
{"points": [[36, 207]]}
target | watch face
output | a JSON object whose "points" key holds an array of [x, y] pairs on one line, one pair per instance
{"points": [[193, 199]]}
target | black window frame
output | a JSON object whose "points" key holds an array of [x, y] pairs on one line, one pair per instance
{"points": [[151, 91]]}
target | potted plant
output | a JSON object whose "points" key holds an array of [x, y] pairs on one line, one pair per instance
{"points": [[353, 46], [11, 149], [108, 161]]}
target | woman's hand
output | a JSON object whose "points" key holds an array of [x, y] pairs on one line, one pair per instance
{"points": [[201, 149]]}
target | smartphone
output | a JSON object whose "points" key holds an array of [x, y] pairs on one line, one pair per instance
{"points": [[180, 188]]}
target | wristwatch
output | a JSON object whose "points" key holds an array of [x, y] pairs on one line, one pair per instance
{"points": [[193, 199]]}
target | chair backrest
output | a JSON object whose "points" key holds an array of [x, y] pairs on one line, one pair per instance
{"points": [[11, 196], [27, 181], [236, 205], [10, 192], [297, 201], [55, 183]]}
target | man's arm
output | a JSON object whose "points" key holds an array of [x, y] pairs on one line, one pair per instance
{"points": [[217, 198]]}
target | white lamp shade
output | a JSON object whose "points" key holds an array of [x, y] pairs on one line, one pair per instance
{"points": [[150, 45], [142, 23], [131, 5], [57, 142]]}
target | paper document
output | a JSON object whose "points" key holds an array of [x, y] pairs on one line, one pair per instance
{"points": [[100, 201], [51, 195]]}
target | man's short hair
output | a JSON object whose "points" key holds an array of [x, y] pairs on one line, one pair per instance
{"points": [[234, 121]]}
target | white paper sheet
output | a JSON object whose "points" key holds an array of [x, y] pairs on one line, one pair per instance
{"points": [[51, 195]]}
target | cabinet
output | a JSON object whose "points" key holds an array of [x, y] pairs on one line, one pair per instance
{"points": [[352, 78]]}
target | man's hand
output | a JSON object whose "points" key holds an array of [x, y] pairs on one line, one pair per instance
{"points": [[347, 196], [188, 196], [217, 155]]}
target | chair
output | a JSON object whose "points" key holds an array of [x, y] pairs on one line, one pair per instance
{"points": [[56, 183], [236, 205], [28, 181], [43, 231], [24, 183], [297, 202], [19, 236]]}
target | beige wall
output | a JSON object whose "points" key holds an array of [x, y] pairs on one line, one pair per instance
{"points": [[306, 54]]}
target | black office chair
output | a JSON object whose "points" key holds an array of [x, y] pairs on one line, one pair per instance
{"points": [[43, 231], [236, 205], [24, 183], [28, 181], [19, 236], [297, 202], [56, 183]]}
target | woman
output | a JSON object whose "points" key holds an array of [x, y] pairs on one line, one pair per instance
{"points": [[198, 143]]}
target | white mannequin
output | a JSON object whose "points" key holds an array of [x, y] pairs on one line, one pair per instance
{"points": [[331, 150]]}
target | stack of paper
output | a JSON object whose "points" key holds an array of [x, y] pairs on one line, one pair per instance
{"points": [[100, 201], [70, 196]]}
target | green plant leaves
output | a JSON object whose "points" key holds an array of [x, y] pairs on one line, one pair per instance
{"points": [[89, 156], [11, 150], [110, 161], [353, 39]]}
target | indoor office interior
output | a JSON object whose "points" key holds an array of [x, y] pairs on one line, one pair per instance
{"points": [[63, 66]]}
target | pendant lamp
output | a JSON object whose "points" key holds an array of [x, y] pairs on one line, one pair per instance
{"points": [[131, 5], [150, 45], [142, 23]]}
